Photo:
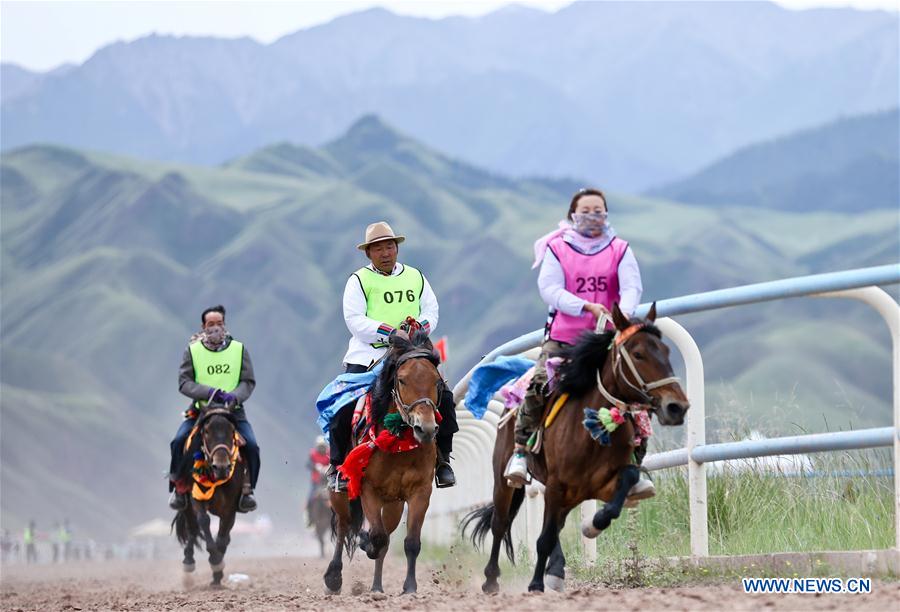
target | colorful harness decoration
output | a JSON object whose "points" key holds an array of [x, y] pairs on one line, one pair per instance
{"points": [[603, 422], [204, 486]]}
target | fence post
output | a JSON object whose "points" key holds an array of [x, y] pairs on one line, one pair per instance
{"points": [[696, 431], [589, 545]]}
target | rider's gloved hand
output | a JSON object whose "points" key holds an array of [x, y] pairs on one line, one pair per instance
{"points": [[223, 397]]}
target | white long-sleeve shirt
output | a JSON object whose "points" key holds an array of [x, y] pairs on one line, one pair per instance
{"points": [[552, 283], [365, 331]]}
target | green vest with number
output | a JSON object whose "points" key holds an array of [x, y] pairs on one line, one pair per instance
{"points": [[390, 299], [217, 369], [28, 538]]}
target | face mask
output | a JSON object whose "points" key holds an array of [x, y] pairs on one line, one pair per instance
{"points": [[589, 224], [214, 336]]}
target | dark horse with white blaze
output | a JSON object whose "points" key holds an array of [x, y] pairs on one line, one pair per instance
{"points": [[409, 386], [627, 368], [219, 443]]}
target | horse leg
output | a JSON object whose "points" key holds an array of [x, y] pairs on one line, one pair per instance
{"points": [[390, 517], [378, 537], [418, 506], [555, 577], [554, 517], [499, 526], [223, 539], [333, 579], [215, 558], [628, 477]]}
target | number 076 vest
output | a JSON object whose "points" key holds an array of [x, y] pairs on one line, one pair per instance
{"points": [[594, 278], [390, 299]]}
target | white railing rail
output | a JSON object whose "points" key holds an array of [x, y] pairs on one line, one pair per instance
{"points": [[474, 442]]}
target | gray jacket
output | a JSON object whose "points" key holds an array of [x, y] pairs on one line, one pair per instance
{"points": [[194, 390]]}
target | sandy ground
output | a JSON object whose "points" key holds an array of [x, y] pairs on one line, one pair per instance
{"points": [[294, 583]]}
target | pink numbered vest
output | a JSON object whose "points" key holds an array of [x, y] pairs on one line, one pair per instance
{"points": [[594, 278]]}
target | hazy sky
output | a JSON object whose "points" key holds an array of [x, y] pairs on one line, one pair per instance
{"points": [[43, 35]]}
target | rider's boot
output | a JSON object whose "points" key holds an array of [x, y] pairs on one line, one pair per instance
{"points": [[336, 482], [516, 472], [443, 473], [247, 503], [177, 501]]}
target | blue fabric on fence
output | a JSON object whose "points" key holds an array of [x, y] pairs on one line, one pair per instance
{"points": [[341, 391], [488, 378]]}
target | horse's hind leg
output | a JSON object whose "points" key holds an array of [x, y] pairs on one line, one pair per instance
{"points": [[412, 545], [555, 577], [341, 508], [390, 517], [499, 526]]}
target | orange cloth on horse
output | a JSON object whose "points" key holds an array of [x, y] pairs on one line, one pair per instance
{"points": [[204, 487]]}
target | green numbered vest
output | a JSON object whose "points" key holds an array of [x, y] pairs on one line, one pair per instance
{"points": [[390, 299], [28, 537], [217, 369]]}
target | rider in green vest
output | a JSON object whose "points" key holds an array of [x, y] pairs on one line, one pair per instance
{"points": [[28, 540], [215, 370], [377, 300]]}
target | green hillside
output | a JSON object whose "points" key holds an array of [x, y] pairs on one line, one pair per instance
{"points": [[107, 262], [850, 165]]}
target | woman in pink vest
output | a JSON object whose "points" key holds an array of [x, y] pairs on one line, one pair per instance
{"points": [[585, 268]]}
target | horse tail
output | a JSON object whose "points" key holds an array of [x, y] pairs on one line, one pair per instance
{"points": [[483, 517], [183, 529], [353, 529]]}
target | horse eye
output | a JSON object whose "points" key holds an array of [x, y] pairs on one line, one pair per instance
{"points": [[638, 355], [402, 382]]}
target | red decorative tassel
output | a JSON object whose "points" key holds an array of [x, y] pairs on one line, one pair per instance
{"points": [[358, 460]]}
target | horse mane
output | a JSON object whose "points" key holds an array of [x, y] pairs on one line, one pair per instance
{"points": [[400, 345], [578, 372]]}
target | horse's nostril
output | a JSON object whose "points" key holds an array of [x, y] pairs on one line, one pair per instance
{"points": [[675, 409], [417, 428]]}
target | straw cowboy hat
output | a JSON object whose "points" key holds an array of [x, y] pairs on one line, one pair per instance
{"points": [[377, 232]]}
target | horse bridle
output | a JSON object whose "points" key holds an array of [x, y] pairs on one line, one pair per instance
{"points": [[209, 453], [406, 409], [619, 355]]}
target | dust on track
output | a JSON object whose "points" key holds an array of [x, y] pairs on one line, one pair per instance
{"points": [[295, 583]]}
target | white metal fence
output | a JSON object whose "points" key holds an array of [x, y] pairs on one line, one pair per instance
{"points": [[474, 443]]}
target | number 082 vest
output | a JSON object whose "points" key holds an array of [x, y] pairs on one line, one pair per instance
{"points": [[217, 369], [390, 299], [594, 278]]}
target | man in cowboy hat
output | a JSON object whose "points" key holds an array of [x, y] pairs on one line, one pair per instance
{"points": [[377, 299]]}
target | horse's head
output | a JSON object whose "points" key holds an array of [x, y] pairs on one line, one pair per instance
{"points": [[218, 436], [643, 373], [418, 383], [415, 383]]}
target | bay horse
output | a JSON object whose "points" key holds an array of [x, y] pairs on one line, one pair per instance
{"points": [[407, 390], [602, 369], [214, 436]]}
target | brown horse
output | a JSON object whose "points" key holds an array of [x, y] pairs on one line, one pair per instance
{"points": [[217, 440], [572, 465], [409, 385]]}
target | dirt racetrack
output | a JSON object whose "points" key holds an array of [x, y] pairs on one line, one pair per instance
{"points": [[293, 583]]}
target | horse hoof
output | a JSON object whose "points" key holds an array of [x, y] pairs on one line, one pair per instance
{"points": [[587, 528], [330, 592], [333, 584], [216, 585], [535, 587], [490, 587], [187, 568], [555, 583]]}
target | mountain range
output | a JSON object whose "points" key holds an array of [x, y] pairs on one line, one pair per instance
{"points": [[630, 94]]}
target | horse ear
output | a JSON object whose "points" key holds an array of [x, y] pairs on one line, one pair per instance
{"points": [[619, 320], [651, 315]]}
